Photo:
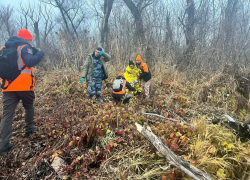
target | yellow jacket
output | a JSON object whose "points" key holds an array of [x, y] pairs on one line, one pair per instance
{"points": [[131, 76]]}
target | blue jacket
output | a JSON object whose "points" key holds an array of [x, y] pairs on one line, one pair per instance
{"points": [[28, 57]]}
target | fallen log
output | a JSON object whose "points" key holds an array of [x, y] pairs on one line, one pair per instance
{"points": [[172, 159]]}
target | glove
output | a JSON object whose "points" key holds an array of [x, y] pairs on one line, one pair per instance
{"points": [[82, 80], [101, 52], [35, 50]]}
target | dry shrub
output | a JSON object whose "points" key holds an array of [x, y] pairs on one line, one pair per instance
{"points": [[221, 91], [219, 152], [63, 113]]}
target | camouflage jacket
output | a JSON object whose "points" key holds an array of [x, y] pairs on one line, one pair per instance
{"points": [[87, 72]]}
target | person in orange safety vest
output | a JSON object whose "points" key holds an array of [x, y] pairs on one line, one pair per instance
{"points": [[21, 88], [121, 94]]}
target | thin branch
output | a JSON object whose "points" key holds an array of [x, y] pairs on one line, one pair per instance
{"points": [[174, 120]]}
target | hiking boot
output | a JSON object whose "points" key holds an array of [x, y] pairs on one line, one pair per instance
{"points": [[99, 99], [89, 96], [7, 149], [34, 129]]}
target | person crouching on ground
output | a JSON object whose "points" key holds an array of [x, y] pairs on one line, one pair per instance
{"points": [[145, 75], [119, 89], [131, 76]]}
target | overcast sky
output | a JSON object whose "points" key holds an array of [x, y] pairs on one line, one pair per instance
{"points": [[14, 3]]}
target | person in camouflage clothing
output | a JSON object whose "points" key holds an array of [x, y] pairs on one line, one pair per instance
{"points": [[131, 75], [95, 71]]}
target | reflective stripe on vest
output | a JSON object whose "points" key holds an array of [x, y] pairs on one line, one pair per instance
{"points": [[19, 59], [26, 80], [123, 91], [124, 86], [27, 71]]}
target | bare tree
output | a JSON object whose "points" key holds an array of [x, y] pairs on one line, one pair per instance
{"points": [[190, 38], [189, 27], [6, 17], [47, 15], [34, 14], [169, 33], [105, 29], [39, 17], [24, 17], [203, 26], [72, 13], [229, 27], [136, 10]]}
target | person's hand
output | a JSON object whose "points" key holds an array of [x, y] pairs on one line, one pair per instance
{"points": [[35, 50], [101, 52], [138, 75], [82, 80]]}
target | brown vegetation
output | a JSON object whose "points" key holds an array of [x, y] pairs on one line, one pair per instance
{"points": [[198, 53], [63, 115]]}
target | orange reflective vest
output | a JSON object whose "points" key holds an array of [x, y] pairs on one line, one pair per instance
{"points": [[144, 66], [26, 80], [123, 91]]}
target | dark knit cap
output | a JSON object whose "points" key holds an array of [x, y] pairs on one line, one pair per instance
{"points": [[99, 49], [131, 62]]}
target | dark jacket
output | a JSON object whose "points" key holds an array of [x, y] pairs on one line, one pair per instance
{"points": [[87, 71], [120, 96], [29, 57], [145, 73]]}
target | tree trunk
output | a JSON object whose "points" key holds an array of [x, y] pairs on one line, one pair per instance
{"points": [[59, 5], [169, 34], [139, 31], [187, 58], [105, 29], [229, 29], [190, 39], [37, 34], [71, 22]]}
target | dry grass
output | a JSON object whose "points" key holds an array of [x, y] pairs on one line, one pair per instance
{"points": [[212, 148], [219, 149]]}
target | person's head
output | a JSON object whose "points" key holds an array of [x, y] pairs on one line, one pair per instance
{"points": [[121, 74], [97, 51], [138, 59], [26, 35], [131, 64]]}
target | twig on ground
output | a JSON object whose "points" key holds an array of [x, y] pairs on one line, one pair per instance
{"points": [[176, 115], [174, 120]]}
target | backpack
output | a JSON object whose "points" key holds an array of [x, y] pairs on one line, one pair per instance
{"points": [[117, 85], [8, 65]]}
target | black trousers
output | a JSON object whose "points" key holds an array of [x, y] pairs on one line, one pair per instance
{"points": [[10, 101], [121, 97]]}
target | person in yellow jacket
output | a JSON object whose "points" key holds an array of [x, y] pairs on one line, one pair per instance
{"points": [[132, 77]]}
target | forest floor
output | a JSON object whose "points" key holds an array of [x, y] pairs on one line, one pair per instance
{"points": [[116, 150]]}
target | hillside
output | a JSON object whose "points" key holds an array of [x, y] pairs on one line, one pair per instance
{"points": [[116, 150]]}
